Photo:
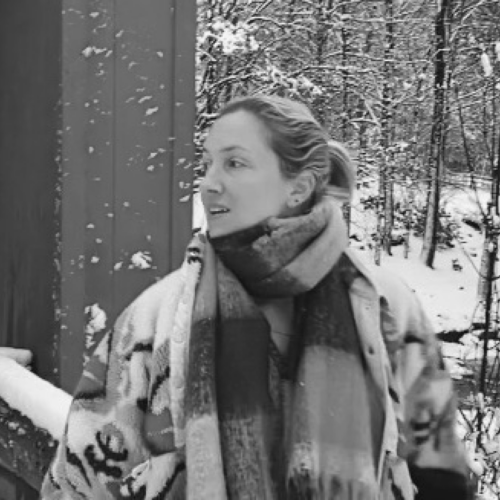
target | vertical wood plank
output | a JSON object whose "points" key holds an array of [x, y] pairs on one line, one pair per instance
{"points": [[183, 120], [87, 176], [74, 96], [30, 69], [99, 155], [143, 170]]}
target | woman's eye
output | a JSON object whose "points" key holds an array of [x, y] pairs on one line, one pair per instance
{"points": [[234, 163], [204, 165]]}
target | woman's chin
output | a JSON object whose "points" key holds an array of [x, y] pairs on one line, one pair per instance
{"points": [[218, 230]]}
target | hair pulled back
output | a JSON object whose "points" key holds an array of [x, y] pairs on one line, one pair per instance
{"points": [[301, 143]]}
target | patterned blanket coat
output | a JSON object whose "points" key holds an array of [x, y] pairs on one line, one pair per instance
{"points": [[115, 448]]}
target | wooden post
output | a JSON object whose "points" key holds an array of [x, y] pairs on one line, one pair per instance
{"points": [[127, 147]]}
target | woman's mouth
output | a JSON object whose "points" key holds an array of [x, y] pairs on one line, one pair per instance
{"points": [[218, 211]]}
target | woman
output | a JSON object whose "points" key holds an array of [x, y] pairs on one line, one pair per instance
{"points": [[272, 365]]}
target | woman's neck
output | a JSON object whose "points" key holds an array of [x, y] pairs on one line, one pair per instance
{"points": [[279, 313]]}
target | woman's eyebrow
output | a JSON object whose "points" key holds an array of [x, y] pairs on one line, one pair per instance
{"points": [[227, 149], [230, 149]]}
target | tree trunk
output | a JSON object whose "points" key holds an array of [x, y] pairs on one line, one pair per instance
{"points": [[482, 288], [436, 156], [482, 284], [409, 201], [345, 97], [385, 206], [490, 256], [323, 18]]}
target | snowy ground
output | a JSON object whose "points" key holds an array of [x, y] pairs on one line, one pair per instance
{"points": [[448, 295]]}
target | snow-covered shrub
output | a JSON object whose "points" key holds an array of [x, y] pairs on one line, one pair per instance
{"points": [[448, 229]]}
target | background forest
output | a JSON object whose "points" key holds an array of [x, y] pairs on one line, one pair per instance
{"points": [[412, 87]]}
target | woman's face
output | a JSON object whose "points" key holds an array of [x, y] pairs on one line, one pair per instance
{"points": [[243, 184]]}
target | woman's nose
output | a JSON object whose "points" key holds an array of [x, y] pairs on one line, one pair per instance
{"points": [[211, 182]]}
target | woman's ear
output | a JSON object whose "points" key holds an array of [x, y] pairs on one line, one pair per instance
{"points": [[303, 187]]}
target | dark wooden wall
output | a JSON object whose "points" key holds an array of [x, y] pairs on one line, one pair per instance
{"points": [[30, 92], [96, 127], [30, 78]]}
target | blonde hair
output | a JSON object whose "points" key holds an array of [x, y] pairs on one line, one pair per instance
{"points": [[301, 143]]}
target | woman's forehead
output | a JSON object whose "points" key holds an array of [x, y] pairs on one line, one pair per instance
{"points": [[239, 130]]}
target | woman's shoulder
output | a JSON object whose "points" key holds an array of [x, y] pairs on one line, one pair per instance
{"points": [[386, 282], [398, 299], [164, 295], [163, 292], [137, 322]]}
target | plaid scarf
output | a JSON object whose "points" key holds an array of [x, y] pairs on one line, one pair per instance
{"points": [[187, 397], [248, 434]]}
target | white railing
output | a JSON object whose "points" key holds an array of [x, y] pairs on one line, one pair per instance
{"points": [[44, 404]]}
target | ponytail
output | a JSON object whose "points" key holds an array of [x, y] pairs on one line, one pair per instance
{"points": [[342, 180]]}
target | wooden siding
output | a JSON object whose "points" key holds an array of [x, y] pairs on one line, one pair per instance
{"points": [[30, 39], [127, 120]]}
